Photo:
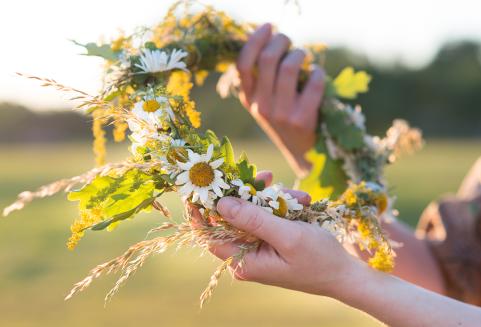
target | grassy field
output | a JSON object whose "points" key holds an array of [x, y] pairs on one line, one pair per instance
{"points": [[37, 269]]}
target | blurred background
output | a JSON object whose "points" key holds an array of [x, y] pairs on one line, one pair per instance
{"points": [[425, 59]]}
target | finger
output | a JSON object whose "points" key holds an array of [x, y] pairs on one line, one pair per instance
{"points": [[286, 85], [255, 220], [228, 250], [267, 65], [224, 251], [265, 176], [309, 100], [248, 57], [302, 197]]}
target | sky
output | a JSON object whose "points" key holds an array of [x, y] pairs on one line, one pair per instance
{"points": [[35, 34]]}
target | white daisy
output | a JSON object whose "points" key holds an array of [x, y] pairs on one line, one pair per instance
{"points": [[247, 192], [141, 136], [173, 152], [153, 111], [155, 61], [280, 201], [201, 178], [139, 139]]}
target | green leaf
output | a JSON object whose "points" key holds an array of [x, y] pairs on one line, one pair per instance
{"points": [[210, 136], [247, 172], [341, 129], [243, 157], [103, 51], [227, 152], [113, 196], [111, 96], [124, 215], [259, 185], [93, 194], [326, 178], [329, 89]]}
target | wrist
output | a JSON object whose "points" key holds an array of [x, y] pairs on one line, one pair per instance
{"points": [[352, 281]]}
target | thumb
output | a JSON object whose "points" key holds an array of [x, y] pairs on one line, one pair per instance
{"points": [[256, 221]]}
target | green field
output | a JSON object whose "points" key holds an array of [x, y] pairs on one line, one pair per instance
{"points": [[38, 270]]}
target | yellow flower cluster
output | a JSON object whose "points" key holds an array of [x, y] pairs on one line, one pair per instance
{"points": [[180, 84], [363, 194], [383, 259], [87, 218], [357, 196], [120, 127], [99, 143]]}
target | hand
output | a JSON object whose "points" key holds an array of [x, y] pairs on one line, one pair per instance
{"points": [[287, 117], [294, 255]]}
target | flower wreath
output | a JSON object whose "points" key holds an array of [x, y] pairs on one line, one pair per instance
{"points": [[146, 90]]}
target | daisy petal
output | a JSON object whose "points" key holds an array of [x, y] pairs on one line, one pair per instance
{"points": [[217, 191], [195, 196], [237, 182], [187, 189], [185, 165], [217, 163], [203, 194], [182, 178], [210, 150]]}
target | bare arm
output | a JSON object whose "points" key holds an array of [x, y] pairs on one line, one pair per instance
{"points": [[399, 303], [414, 261], [304, 257]]}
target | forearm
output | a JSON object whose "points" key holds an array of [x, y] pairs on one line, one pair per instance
{"points": [[415, 262], [399, 303]]}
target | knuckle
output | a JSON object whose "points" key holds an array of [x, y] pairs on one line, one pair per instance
{"points": [[255, 37], [242, 68], [288, 68], [254, 221], [297, 56], [298, 122], [267, 57]]}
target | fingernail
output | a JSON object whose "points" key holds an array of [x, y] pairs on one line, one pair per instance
{"points": [[307, 198], [228, 207]]}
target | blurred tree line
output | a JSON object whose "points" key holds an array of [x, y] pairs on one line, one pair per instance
{"points": [[443, 98]]}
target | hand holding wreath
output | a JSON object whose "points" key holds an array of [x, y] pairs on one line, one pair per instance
{"points": [[289, 118]]}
